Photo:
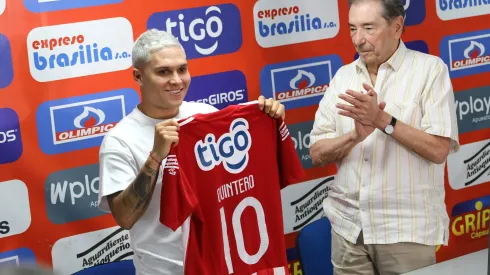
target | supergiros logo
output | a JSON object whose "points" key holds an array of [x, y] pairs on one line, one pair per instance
{"points": [[470, 219]]}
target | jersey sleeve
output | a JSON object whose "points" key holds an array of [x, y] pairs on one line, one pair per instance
{"points": [[177, 196], [290, 168]]}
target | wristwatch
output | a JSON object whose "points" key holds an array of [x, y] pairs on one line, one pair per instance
{"points": [[390, 127]]}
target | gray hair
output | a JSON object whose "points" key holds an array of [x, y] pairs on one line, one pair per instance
{"points": [[391, 8], [151, 41]]}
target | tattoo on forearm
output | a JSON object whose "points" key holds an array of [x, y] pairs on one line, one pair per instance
{"points": [[142, 185]]}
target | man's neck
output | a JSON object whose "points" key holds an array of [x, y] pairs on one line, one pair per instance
{"points": [[158, 113]]}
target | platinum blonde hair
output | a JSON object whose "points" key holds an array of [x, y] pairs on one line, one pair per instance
{"points": [[151, 41]]}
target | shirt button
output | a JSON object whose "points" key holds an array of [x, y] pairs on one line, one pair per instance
{"points": [[365, 159]]}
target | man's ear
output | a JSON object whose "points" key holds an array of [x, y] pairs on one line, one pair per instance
{"points": [[138, 76]]}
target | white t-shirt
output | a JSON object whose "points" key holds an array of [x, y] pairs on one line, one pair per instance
{"points": [[124, 150]]}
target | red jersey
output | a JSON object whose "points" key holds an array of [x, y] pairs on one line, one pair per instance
{"points": [[226, 174]]}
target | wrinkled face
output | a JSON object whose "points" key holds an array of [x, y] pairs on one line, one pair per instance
{"points": [[375, 39], [164, 80]]}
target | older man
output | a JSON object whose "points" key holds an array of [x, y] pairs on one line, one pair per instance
{"points": [[388, 121], [133, 153]]}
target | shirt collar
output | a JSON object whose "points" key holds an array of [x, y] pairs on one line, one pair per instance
{"points": [[395, 61]]}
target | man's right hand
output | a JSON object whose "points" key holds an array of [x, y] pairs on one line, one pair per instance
{"points": [[166, 134], [363, 131]]}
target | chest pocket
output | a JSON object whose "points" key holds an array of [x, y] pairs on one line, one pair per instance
{"points": [[409, 112]]}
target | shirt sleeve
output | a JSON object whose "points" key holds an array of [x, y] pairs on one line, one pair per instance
{"points": [[117, 169], [439, 108], [324, 125], [177, 196], [290, 167]]}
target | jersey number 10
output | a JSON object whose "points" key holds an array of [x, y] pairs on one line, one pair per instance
{"points": [[237, 229]]}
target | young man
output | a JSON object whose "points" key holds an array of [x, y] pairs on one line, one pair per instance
{"points": [[390, 144], [131, 153]]}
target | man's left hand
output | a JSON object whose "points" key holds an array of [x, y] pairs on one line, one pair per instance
{"points": [[365, 108], [272, 107]]}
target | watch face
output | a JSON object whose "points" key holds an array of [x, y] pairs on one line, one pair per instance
{"points": [[389, 129]]}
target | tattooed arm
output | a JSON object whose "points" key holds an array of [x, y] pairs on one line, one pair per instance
{"points": [[129, 205]]}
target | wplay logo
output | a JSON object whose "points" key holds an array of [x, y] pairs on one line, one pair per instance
{"points": [[202, 31], [6, 70], [14, 196], [18, 257], [300, 134], [454, 9], [467, 53], [53, 5], [414, 11], [81, 122], [10, 138], [72, 194], [231, 149], [473, 109], [220, 89], [291, 22], [299, 83], [80, 49]]}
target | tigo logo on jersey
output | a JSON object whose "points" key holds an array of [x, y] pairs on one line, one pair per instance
{"points": [[303, 202], [291, 22], [299, 83], [14, 195], [467, 54], [202, 31], [72, 194], [53, 5], [81, 122], [19, 257], [231, 149], [470, 219], [80, 49], [469, 166], [220, 89], [417, 45], [10, 139], [414, 12], [6, 70], [80, 252], [473, 109], [300, 134], [455, 9]]}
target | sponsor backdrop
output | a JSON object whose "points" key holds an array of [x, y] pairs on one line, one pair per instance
{"points": [[65, 80]]}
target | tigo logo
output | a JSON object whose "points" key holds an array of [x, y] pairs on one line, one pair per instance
{"points": [[81, 122], [211, 152], [467, 54], [19, 257], [83, 251], [473, 109], [303, 202], [80, 49], [299, 83], [470, 219], [220, 89], [203, 31], [6, 70], [300, 134], [455, 9], [72, 194], [291, 22], [10, 138], [469, 166], [14, 195], [53, 5], [415, 11]]}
